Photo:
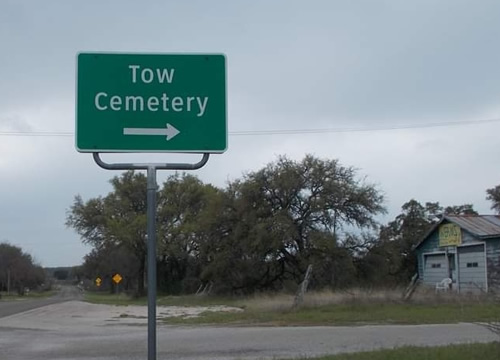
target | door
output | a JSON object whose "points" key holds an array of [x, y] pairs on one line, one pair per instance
{"points": [[435, 268], [472, 269]]}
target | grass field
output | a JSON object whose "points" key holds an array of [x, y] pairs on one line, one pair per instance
{"points": [[30, 295], [189, 300], [328, 308], [356, 314], [489, 351]]}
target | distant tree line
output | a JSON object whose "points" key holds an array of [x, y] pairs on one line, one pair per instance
{"points": [[18, 270], [259, 233], [69, 274]]}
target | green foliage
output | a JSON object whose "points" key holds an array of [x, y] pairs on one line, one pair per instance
{"points": [[111, 260], [391, 258], [259, 233], [289, 214], [115, 221], [493, 195], [466, 209], [184, 207], [61, 274], [18, 270]]}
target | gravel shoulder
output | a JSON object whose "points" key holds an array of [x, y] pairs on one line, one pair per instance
{"points": [[67, 314]]}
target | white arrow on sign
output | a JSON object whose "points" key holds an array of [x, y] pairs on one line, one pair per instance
{"points": [[169, 131]]}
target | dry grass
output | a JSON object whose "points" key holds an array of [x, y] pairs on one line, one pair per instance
{"points": [[427, 296], [352, 296], [267, 302], [359, 296], [349, 307]]}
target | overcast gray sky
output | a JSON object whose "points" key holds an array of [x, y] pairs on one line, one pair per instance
{"points": [[291, 65]]}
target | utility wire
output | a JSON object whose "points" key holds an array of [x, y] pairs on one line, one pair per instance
{"points": [[291, 131], [363, 129]]}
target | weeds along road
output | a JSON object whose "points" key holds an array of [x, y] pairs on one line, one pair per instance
{"points": [[66, 293], [82, 331]]}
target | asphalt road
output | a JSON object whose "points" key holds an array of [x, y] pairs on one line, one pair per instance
{"points": [[113, 343], [66, 293], [79, 331]]}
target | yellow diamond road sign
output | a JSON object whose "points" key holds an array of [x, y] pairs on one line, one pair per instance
{"points": [[117, 278], [98, 281]]}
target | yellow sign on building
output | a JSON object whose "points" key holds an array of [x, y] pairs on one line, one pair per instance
{"points": [[450, 235]]}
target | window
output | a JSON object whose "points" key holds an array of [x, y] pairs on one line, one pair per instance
{"points": [[436, 266], [472, 264]]}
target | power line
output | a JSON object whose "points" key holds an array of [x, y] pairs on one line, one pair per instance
{"points": [[290, 131], [36, 133], [363, 129]]}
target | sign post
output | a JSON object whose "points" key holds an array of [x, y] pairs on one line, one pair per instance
{"points": [[151, 103], [151, 216], [117, 278]]}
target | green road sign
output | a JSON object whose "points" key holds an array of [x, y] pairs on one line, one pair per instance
{"points": [[151, 103]]}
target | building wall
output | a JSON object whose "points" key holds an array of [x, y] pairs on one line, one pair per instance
{"points": [[431, 245], [468, 238], [493, 264]]}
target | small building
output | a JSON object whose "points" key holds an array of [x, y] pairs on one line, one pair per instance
{"points": [[464, 248]]}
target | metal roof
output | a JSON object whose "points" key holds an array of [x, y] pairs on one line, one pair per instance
{"points": [[480, 225]]}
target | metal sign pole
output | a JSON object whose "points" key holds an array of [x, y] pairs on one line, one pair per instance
{"points": [[151, 219], [151, 230]]}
